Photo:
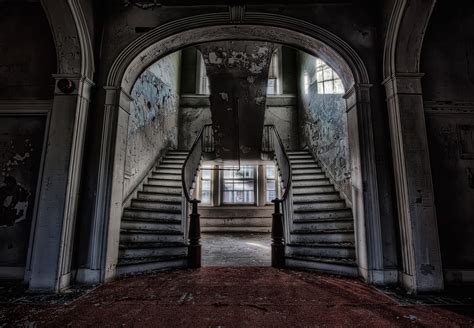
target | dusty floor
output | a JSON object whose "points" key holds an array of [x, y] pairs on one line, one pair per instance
{"points": [[235, 297], [226, 249]]}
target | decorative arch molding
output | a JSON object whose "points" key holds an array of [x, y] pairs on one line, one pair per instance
{"points": [[413, 180], [73, 42], [173, 36], [405, 34], [49, 265], [151, 46]]}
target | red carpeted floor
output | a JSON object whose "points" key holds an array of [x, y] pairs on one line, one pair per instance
{"points": [[235, 297]]}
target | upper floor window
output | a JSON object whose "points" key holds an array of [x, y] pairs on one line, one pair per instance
{"points": [[274, 75], [202, 81], [327, 80]]}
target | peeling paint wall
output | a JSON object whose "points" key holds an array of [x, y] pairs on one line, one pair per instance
{"points": [[238, 73], [448, 62], [21, 144], [323, 126], [153, 125]]}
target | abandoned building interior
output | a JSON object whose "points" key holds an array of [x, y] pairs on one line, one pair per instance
{"points": [[330, 136]]}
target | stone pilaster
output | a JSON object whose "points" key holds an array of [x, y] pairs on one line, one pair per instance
{"points": [[422, 269]]}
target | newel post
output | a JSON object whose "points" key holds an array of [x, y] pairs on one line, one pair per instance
{"points": [[278, 246], [194, 248]]}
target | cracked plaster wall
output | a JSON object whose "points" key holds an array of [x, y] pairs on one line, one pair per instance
{"points": [[153, 125], [323, 127]]}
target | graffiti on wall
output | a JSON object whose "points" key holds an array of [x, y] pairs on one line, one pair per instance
{"points": [[21, 142]]}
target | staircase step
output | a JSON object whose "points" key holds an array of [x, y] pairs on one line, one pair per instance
{"points": [[309, 170], [161, 225], [322, 236], [145, 213], [170, 190], [303, 161], [323, 214], [307, 177], [328, 224], [172, 161], [318, 205], [322, 250], [157, 205], [156, 263], [340, 267], [299, 166], [156, 196], [311, 183], [176, 156], [161, 170], [328, 196], [169, 166], [166, 176], [128, 253], [164, 183], [300, 156], [313, 190], [150, 236]]}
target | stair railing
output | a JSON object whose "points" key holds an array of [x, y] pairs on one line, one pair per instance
{"points": [[280, 219], [188, 176]]}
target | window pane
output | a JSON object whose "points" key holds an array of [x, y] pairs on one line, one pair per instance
{"points": [[238, 185], [321, 87], [329, 87], [319, 75], [249, 185], [271, 195], [338, 87], [206, 174], [228, 186], [327, 74], [205, 197], [238, 196], [206, 185], [270, 174], [228, 197], [228, 174], [271, 86], [271, 185]]}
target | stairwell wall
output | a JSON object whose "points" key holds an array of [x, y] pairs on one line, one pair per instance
{"points": [[153, 125], [323, 127]]}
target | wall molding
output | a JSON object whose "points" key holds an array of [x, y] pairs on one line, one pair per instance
{"points": [[449, 107]]}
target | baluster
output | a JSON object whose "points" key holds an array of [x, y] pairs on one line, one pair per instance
{"points": [[194, 248], [278, 246]]}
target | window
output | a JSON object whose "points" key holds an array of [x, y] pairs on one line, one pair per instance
{"points": [[306, 83], [206, 185], [270, 175], [328, 81], [273, 83], [239, 186], [202, 82]]}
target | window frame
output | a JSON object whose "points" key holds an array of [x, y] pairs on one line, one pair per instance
{"points": [[222, 180]]}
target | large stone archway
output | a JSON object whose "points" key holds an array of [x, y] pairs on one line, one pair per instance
{"points": [[185, 32]]}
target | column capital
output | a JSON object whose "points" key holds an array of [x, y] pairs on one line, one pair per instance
{"points": [[408, 83]]}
